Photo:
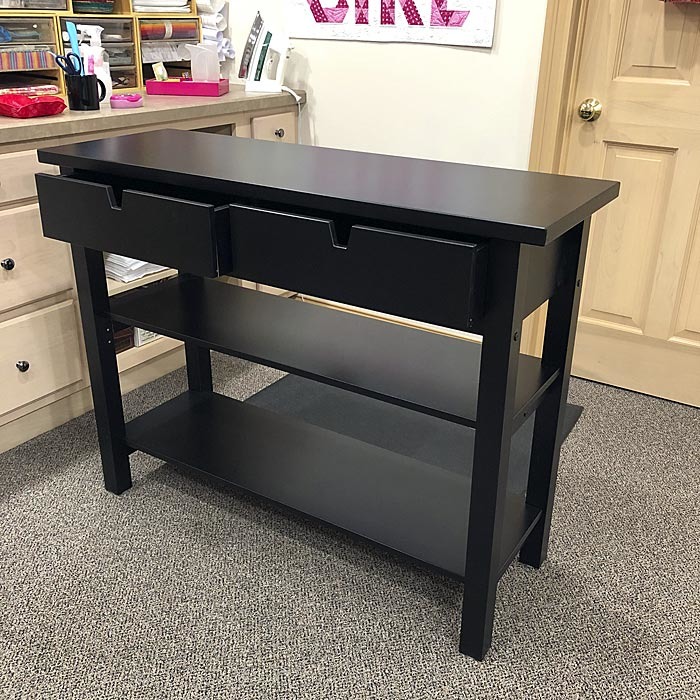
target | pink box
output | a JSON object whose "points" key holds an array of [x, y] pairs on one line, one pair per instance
{"points": [[187, 87]]}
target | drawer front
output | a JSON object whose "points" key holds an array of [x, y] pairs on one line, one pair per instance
{"points": [[188, 236], [17, 172], [47, 341], [275, 127], [416, 277], [37, 267]]}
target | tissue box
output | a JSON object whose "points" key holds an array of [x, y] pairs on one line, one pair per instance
{"points": [[184, 86]]}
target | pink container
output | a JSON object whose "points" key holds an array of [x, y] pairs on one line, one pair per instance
{"points": [[187, 87]]}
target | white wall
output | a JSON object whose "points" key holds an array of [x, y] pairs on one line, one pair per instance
{"points": [[427, 101]]}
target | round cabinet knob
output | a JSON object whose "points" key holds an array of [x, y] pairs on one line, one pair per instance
{"points": [[7, 264], [590, 110], [22, 365], [279, 133]]}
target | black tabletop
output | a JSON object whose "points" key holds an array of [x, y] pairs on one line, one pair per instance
{"points": [[471, 200]]}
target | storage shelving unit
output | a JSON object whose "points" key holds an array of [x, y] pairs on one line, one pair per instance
{"points": [[475, 250], [122, 39], [25, 40]]}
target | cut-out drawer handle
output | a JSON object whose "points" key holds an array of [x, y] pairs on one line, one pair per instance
{"points": [[7, 264], [22, 365]]}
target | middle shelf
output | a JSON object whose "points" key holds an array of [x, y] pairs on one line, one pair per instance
{"points": [[426, 372]]}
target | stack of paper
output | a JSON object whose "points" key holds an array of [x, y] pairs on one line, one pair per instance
{"points": [[155, 51], [169, 6], [123, 269]]}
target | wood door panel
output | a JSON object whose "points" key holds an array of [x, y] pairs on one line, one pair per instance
{"points": [[625, 237], [640, 313], [657, 42], [687, 326], [650, 366]]}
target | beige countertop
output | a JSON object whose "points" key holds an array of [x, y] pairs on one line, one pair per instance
{"points": [[157, 109]]}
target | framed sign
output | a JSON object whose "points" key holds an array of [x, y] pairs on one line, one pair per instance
{"points": [[455, 22]]}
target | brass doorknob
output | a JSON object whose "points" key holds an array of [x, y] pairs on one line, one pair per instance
{"points": [[590, 110]]}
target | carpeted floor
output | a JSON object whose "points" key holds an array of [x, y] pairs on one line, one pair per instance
{"points": [[183, 588]]}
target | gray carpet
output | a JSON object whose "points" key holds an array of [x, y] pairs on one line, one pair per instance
{"points": [[183, 588]]}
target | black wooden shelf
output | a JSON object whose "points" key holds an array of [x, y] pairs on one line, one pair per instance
{"points": [[427, 372], [401, 503]]}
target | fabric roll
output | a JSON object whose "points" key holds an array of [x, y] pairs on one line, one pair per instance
{"points": [[165, 29]]}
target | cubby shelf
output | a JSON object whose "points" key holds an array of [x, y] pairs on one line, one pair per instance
{"points": [[123, 9], [116, 287]]}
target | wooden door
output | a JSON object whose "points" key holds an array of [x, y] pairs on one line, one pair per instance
{"points": [[640, 313]]}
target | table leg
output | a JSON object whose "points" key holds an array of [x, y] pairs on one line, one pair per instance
{"points": [[102, 364], [494, 426], [198, 367], [560, 333], [198, 360]]}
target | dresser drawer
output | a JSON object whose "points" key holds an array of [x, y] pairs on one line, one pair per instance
{"points": [[275, 127], [188, 236], [33, 267], [17, 172], [47, 341], [418, 277]]}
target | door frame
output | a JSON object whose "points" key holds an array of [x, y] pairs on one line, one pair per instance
{"points": [[559, 68]]}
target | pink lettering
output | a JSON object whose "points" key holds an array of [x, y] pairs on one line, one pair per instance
{"points": [[361, 12], [440, 16], [388, 14], [329, 15]]}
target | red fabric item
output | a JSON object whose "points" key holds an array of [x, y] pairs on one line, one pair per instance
{"points": [[23, 107]]}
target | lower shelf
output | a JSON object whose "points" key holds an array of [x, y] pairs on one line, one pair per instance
{"points": [[399, 502]]}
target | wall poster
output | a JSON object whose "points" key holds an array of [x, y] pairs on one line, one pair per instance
{"points": [[454, 22]]}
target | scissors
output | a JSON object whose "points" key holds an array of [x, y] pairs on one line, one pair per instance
{"points": [[71, 63]]}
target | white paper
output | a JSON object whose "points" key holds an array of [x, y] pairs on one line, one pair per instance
{"points": [[214, 21], [210, 6], [425, 21]]}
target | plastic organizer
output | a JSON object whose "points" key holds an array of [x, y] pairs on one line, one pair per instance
{"points": [[26, 31], [33, 5], [123, 78], [120, 54], [115, 30]]}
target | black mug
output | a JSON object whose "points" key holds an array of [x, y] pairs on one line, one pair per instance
{"points": [[85, 92]]}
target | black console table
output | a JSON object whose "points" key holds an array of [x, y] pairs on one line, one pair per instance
{"points": [[468, 248]]}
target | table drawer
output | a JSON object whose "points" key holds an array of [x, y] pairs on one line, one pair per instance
{"points": [[17, 172], [188, 236], [418, 277], [47, 341], [33, 267]]}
